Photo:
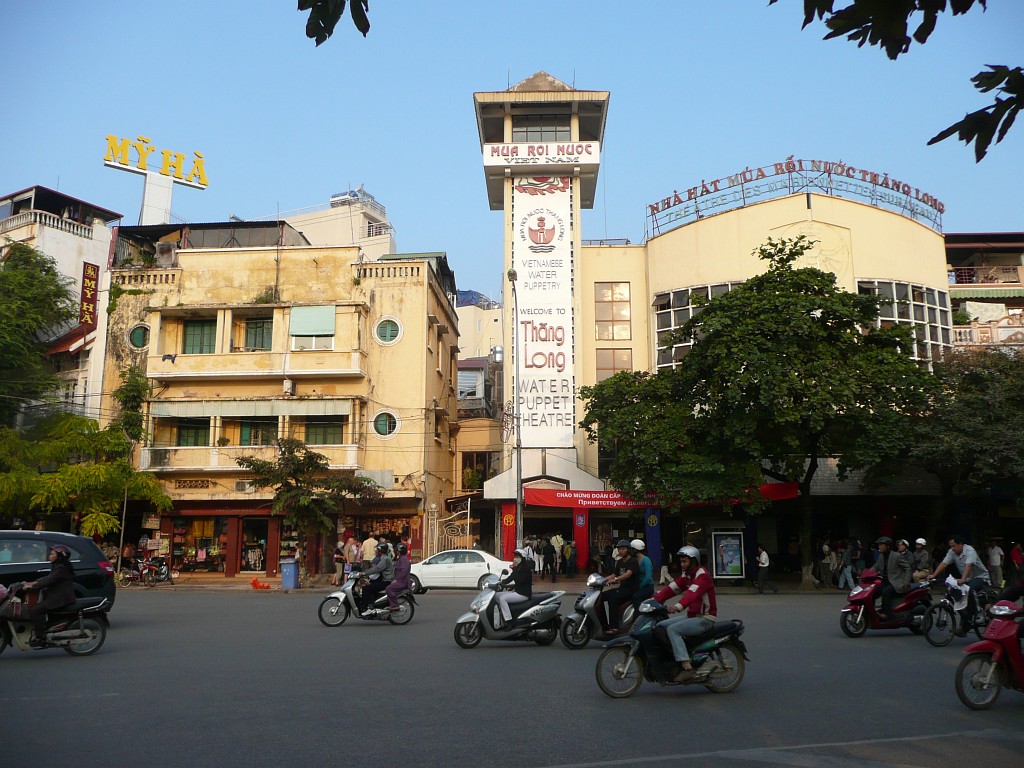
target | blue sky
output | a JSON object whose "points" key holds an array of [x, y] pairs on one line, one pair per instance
{"points": [[699, 90]]}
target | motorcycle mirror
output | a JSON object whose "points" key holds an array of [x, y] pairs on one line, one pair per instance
{"points": [[504, 572]]}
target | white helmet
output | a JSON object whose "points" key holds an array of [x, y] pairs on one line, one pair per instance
{"points": [[637, 544], [691, 552], [922, 542]]}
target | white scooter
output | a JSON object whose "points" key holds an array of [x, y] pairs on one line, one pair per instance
{"points": [[536, 620], [336, 607]]}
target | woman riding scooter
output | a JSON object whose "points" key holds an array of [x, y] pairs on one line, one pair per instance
{"points": [[522, 577], [60, 591]]}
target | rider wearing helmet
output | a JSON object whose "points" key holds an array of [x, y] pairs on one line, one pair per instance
{"points": [[60, 590], [522, 577], [922, 560], [645, 587], [401, 579], [384, 570], [895, 569], [698, 598], [627, 575]]}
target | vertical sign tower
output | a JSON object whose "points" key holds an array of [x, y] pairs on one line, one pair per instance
{"points": [[541, 144]]}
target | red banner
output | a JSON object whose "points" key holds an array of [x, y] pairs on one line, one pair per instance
{"points": [[508, 530], [90, 289], [546, 497]]}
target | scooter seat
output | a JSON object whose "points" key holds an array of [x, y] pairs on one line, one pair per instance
{"points": [[81, 604]]}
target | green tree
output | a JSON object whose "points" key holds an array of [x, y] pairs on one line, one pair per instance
{"points": [[324, 16], [306, 490], [886, 23], [37, 303]]}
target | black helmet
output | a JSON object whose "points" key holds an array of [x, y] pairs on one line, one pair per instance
{"points": [[63, 553], [382, 547], [403, 549], [884, 540], [622, 543]]}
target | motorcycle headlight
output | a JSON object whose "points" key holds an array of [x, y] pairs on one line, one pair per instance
{"points": [[595, 580], [478, 603], [856, 591]]}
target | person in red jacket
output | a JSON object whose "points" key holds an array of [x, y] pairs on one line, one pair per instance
{"points": [[698, 600]]}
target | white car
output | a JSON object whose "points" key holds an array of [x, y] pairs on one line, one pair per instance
{"points": [[455, 569]]}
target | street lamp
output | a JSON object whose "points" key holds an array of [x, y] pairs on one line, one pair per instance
{"points": [[512, 276]]}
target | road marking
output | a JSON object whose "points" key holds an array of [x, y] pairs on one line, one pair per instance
{"points": [[62, 697], [779, 755]]}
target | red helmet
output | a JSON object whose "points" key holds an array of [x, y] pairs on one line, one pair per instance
{"points": [[63, 552]]}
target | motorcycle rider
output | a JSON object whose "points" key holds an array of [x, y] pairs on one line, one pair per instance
{"points": [[645, 588], [922, 560], [401, 579], [894, 568], [60, 591], [522, 577], [698, 599], [973, 573], [627, 575], [384, 568]]}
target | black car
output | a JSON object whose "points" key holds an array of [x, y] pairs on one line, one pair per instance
{"points": [[23, 558]]}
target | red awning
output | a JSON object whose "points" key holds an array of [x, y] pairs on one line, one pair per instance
{"points": [[65, 342]]}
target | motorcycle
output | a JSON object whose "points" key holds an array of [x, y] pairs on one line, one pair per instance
{"points": [[138, 571], [338, 606], [537, 619], [72, 628], [860, 615], [718, 656], [994, 662], [162, 570], [585, 623], [949, 616]]}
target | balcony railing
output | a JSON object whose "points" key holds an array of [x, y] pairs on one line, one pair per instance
{"points": [[239, 364], [993, 275], [47, 220], [202, 457]]}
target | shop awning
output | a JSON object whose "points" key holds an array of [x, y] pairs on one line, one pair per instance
{"points": [[957, 292]]}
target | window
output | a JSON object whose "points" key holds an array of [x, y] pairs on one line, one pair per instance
{"points": [[611, 361], [259, 431], [532, 128], [325, 432], [468, 557], [612, 311], [200, 337], [471, 384], [385, 424], [388, 331], [259, 334], [138, 336], [193, 432], [311, 343]]}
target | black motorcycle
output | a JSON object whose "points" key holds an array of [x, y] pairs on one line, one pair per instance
{"points": [[718, 656]]}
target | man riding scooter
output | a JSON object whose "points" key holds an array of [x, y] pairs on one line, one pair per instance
{"points": [[895, 569], [383, 569]]}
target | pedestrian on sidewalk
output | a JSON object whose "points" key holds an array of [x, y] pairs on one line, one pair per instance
{"points": [[995, 564], [844, 565], [339, 563], [763, 567]]}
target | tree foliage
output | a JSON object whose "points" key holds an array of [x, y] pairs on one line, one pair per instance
{"points": [[306, 490], [37, 304], [324, 16], [886, 24]]}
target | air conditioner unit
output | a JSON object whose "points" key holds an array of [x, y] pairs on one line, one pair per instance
{"points": [[245, 486], [289, 387]]}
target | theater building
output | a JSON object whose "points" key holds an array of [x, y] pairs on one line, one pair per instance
{"points": [[577, 311]]}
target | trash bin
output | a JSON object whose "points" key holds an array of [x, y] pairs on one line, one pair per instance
{"points": [[289, 573]]}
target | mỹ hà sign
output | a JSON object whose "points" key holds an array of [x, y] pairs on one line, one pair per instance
{"points": [[137, 157], [90, 287]]}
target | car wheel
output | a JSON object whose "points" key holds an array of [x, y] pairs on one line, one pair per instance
{"points": [[416, 586]]}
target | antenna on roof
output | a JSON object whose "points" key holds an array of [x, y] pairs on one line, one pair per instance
{"points": [[574, 79], [508, 79]]}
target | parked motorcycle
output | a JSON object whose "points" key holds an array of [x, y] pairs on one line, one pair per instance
{"points": [[162, 570], [338, 606], [718, 657], [537, 619], [860, 614], [994, 662], [78, 628], [949, 616], [138, 571], [585, 622]]}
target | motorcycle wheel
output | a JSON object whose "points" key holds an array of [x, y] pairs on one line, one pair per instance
{"points": [[149, 579], [939, 625], [546, 635], [978, 681], [852, 625], [573, 637], [3, 643], [404, 613], [332, 612], [468, 634], [96, 633], [730, 672], [982, 625], [618, 674], [124, 578]]}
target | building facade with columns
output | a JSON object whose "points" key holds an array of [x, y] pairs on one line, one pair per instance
{"points": [[576, 313]]}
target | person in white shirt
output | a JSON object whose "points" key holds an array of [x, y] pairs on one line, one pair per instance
{"points": [[763, 579], [995, 564]]}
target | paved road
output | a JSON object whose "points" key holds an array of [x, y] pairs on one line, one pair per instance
{"points": [[201, 678]]}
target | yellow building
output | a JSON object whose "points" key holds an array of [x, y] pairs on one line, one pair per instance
{"points": [[246, 332], [577, 313]]}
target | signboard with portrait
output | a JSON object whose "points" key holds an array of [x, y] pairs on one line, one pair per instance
{"points": [[726, 555]]}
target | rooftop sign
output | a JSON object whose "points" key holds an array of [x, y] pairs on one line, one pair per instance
{"points": [[836, 179]]}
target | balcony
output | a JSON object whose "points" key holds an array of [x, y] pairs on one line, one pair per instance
{"points": [[1005, 333], [28, 218], [240, 363], [224, 458], [986, 281]]}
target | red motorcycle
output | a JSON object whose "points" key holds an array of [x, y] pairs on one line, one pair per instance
{"points": [[860, 615], [994, 662]]}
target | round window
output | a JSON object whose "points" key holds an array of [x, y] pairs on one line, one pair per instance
{"points": [[388, 331], [138, 336], [385, 424]]}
